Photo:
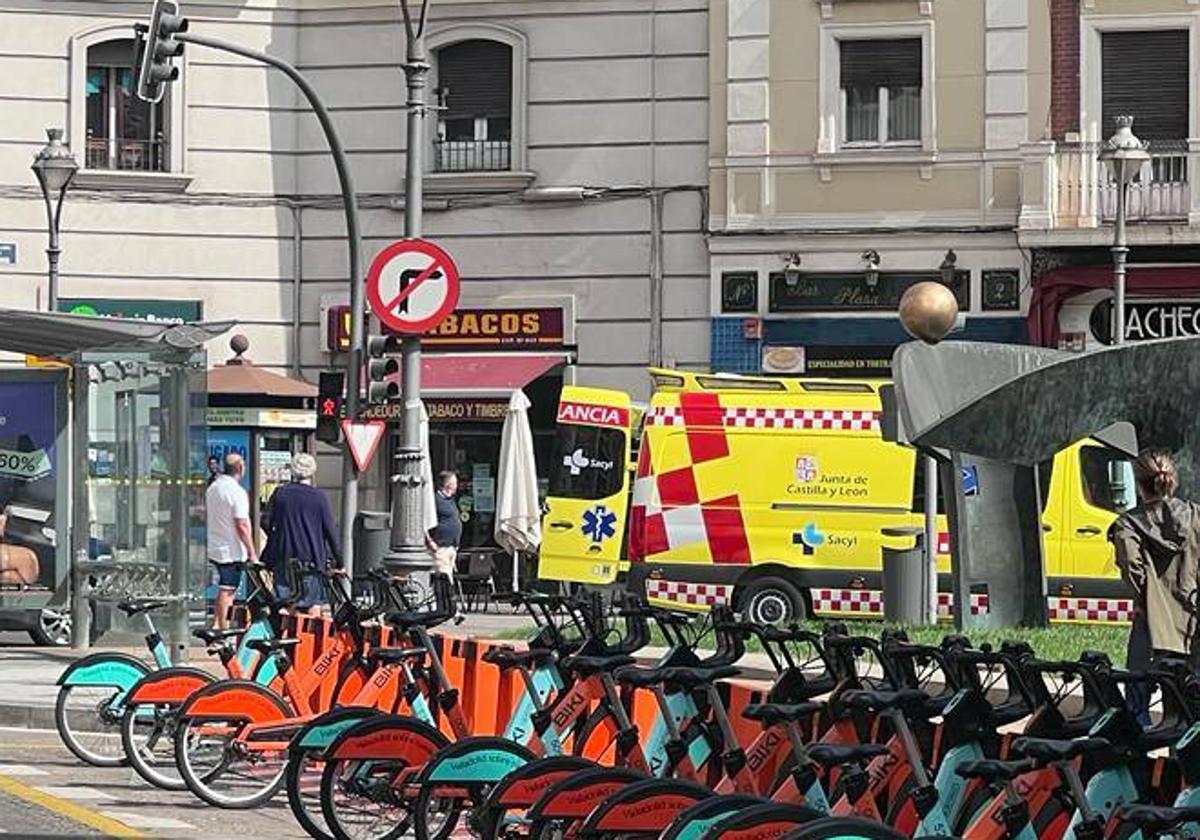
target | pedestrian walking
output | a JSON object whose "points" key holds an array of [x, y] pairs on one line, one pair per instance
{"points": [[230, 540], [1158, 552], [301, 532], [443, 538]]}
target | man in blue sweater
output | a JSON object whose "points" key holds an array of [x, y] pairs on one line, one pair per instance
{"points": [[299, 525]]}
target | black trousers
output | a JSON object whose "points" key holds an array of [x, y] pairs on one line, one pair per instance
{"points": [[1137, 658]]}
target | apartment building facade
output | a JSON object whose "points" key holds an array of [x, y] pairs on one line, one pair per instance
{"points": [[858, 147], [565, 172]]}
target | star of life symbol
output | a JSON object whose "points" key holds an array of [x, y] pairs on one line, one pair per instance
{"points": [[599, 524], [806, 468], [576, 461]]}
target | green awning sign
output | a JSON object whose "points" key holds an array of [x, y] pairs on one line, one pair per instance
{"points": [[27, 466], [159, 311]]}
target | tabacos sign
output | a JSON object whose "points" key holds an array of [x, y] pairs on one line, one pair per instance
{"points": [[479, 329], [589, 414]]}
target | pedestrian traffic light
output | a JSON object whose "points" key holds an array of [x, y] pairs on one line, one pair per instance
{"points": [[381, 367], [330, 401], [155, 71]]}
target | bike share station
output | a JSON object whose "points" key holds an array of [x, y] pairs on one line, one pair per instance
{"points": [[102, 474]]}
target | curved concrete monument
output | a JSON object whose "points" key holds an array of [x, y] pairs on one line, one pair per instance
{"points": [[1000, 410]]}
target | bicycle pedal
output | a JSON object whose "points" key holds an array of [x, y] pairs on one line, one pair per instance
{"points": [[1090, 830]]}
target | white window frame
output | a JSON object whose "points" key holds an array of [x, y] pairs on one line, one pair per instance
{"points": [[832, 99], [175, 179], [516, 41], [1091, 94]]}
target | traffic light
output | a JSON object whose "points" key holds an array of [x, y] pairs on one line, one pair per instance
{"points": [[155, 71], [380, 366], [330, 400]]}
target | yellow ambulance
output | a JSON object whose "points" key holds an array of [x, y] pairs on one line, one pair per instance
{"points": [[773, 494]]}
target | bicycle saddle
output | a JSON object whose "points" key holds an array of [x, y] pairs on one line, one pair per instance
{"points": [[397, 655], [991, 771], [407, 619], [693, 677], [588, 665], [211, 636], [640, 677], [770, 714], [271, 645], [1156, 818], [506, 657], [835, 755], [879, 701], [141, 605], [1049, 749]]}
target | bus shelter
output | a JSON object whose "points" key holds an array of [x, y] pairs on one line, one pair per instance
{"points": [[104, 438]]}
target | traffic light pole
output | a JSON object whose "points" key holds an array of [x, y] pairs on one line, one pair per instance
{"points": [[354, 357], [408, 532]]}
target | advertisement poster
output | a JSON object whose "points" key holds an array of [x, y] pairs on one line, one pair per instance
{"points": [[28, 425], [274, 468], [223, 441]]}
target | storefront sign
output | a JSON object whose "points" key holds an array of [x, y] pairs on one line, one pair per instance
{"points": [[854, 361], [1147, 320], [271, 418], [498, 329], [159, 311], [482, 329], [833, 292], [443, 410]]}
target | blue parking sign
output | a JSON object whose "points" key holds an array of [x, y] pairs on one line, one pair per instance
{"points": [[970, 481]]}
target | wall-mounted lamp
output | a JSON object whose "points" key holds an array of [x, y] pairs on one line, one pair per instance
{"points": [[948, 267], [871, 273], [791, 269]]}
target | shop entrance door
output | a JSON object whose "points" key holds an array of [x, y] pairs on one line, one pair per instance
{"points": [[474, 454]]}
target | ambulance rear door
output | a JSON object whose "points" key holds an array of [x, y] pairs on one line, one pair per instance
{"points": [[583, 529]]}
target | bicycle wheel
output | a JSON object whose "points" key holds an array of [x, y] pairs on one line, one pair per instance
{"points": [[89, 723], [843, 828], [303, 782], [357, 801], [148, 736], [436, 816], [597, 738], [221, 769]]}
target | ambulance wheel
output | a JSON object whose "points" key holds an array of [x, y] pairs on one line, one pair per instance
{"points": [[772, 600]]}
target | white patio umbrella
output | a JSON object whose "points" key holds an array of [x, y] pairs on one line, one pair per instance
{"points": [[429, 519], [518, 513]]}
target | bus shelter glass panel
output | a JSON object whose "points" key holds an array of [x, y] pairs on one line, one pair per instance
{"points": [[146, 452]]}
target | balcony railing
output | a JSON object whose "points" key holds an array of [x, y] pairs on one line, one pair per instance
{"points": [[472, 156], [127, 155], [1083, 192]]}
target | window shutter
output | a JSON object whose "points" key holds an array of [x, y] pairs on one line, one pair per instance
{"points": [[477, 76], [881, 63], [118, 53], [1145, 75]]}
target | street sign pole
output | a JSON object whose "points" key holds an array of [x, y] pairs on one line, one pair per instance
{"points": [[408, 538]]}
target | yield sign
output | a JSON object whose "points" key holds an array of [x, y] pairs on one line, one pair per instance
{"points": [[412, 285], [363, 436]]}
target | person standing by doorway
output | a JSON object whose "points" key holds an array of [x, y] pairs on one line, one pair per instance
{"points": [[300, 530], [1157, 545], [214, 468], [443, 538], [230, 540]]}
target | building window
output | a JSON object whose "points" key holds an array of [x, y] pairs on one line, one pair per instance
{"points": [[475, 126], [123, 132], [1145, 74], [881, 88]]}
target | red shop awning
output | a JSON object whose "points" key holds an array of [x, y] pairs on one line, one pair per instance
{"points": [[483, 374], [1054, 288]]}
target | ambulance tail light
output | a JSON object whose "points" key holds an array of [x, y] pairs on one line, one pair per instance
{"points": [[667, 380], [724, 383], [837, 387]]}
